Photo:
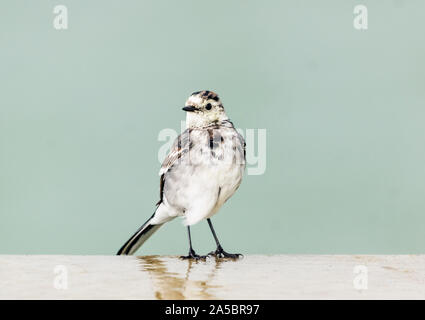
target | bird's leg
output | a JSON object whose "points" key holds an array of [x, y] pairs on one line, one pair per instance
{"points": [[219, 252], [192, 254]]}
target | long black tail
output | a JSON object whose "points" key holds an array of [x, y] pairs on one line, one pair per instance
{"points": [[141, 235]]}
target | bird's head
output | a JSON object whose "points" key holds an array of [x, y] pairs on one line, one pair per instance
{"points": [[204, 108]]}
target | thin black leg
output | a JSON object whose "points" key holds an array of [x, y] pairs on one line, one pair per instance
{"points": [[213, 232], [219, 252], [192, 254]]}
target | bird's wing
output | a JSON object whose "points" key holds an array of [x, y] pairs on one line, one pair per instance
{"points": [[180, 147], [242, 144]]}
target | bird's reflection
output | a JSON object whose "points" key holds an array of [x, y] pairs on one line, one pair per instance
{"points": [[174, 278]]}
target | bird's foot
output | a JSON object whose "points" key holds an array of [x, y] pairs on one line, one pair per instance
{"points": [[220, 253], [192, 255]]}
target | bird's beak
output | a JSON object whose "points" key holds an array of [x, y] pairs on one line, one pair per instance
{"points": [[189, 109]]}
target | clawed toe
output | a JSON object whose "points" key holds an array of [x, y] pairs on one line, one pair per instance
{"points": [[192, 255], [220, 253], [224, 254], [229, 255]]}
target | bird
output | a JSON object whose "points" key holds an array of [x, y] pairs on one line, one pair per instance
{"points": [[202, 170]]}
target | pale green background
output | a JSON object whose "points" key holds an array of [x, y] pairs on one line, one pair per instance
{"points": [[344, 111]]}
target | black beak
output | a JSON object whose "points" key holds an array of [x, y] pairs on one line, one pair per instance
{"points": [[189, 109]]}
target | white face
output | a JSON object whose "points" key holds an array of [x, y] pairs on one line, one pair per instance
{"points": [[204, 108]]}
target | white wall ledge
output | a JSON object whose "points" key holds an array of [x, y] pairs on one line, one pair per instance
{"points": [[253, 277]]}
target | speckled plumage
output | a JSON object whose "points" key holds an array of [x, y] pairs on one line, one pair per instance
{"points": [[202, 171]]}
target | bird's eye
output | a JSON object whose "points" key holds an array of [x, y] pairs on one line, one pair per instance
{"points": [[208, 106]]}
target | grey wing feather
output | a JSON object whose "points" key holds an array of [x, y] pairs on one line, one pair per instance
{"points": [[180, 147]]}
